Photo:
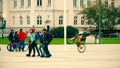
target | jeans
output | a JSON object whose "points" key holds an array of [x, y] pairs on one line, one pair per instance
{"points": [[47, 52], [21, 45], [32, 47], [11, 46], [42, 50], [37, 49]]}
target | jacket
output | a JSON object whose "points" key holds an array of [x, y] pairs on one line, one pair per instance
{"points": [[21, 36]]}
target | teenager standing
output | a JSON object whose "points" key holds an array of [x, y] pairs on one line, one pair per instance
{"points": [[32, 43]]}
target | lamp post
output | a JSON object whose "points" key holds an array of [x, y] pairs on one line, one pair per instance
{"points": [[65, 23], [99, 21]]}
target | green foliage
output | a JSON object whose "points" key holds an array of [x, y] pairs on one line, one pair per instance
{"points": [[71, 31], [110, 15], [59, 31]]}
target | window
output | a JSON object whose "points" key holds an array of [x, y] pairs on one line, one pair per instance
{"points": [[15, 3], [13, 18], [75, 20], [74, 3], [89, 22], [29, 3], [28, 20], [88, 2], [39, 2], [81, 2], [82, 20], [21, 20], [39, 20], [112, 3], [106, 3], [22, 3], [49, 2], [60, 20]]}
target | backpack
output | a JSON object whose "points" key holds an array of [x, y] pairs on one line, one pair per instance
{"points": [[49, 37], [36, 36]]}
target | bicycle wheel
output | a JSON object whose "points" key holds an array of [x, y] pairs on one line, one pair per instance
{"points": [[81, 48], [26, 47], [8, 47]]}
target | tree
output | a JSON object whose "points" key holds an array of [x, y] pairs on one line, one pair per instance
{"points": [[110, 16]]}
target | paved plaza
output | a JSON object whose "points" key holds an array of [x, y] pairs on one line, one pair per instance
{"points": [[96, 56]]}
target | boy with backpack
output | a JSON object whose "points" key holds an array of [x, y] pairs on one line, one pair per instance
{"points": [[47, 38]]}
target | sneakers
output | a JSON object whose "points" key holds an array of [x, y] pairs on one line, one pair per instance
{"points": [[48, 56], [33, 55], [28, 55]]}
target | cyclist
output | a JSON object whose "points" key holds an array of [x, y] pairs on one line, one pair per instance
{"points": [[78, 41], [11, 39]]}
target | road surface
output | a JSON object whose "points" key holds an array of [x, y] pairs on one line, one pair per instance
{"points": [[96, 56]]}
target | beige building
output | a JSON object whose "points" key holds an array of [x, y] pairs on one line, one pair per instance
{"points": [[41, 13]]}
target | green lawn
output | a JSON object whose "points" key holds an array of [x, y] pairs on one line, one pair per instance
{"points": [[110, 40], [61, 41], [54, 41]]}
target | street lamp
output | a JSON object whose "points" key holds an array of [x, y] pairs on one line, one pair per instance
{"points": [[99, 21]]}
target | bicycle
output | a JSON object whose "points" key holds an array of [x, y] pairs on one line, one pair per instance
{"points": [[15, 47], [80, 45]]}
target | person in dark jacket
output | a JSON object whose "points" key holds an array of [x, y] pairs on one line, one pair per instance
{"points": [[41, 47], [11, 39], [46, 40]]}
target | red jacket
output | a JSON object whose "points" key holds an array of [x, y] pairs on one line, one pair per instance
{"points": [[21, 36]]}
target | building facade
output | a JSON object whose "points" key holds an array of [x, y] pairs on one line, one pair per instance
{"points": [[42, 13]]}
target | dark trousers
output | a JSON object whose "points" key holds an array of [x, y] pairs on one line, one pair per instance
{"points": [[41, 48], [37, 49], [21, 45], [32, 47], [46, 50]]}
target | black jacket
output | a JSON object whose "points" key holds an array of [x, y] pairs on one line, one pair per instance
{"points": [[11, 36]]}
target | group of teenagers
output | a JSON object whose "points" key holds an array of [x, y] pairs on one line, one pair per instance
{"points": [[43, 36]]}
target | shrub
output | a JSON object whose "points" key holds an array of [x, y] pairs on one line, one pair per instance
{"points": [[71, 31], [59, 31]]}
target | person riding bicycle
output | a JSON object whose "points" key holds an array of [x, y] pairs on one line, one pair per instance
{"points": [[78, 40], [11, 38]]}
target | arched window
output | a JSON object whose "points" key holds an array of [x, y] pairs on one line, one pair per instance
{"points": [[74, 3], [82, 20], [15, 3], [29, 3], [106, 3], [60, 20], [49, 2], [13, 20], [81, 2], [39, 2], [28, 20], [89, 22], [112, 3], [22, 3], [88, 3], [75, 20], [21, 20], [39, 20]]}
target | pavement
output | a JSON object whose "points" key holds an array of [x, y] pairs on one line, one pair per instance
{"points": [[95, 56]]}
